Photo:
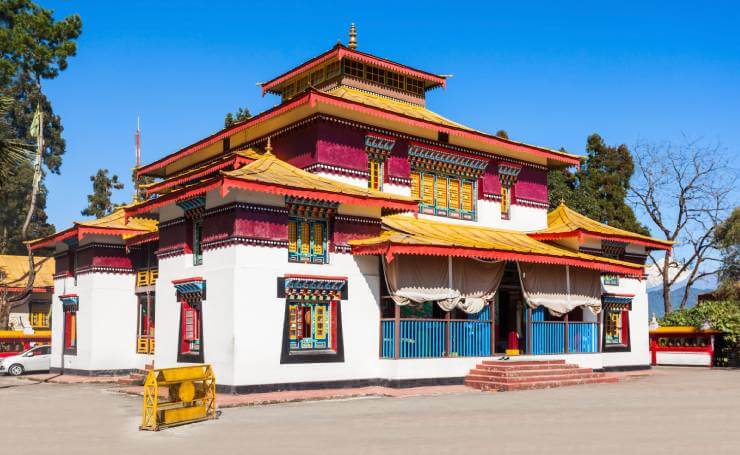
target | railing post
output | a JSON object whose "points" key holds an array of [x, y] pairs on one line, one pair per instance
{"points": [[529, 330], [565, 334], [447, 334], [492, 315], [397, 331]]}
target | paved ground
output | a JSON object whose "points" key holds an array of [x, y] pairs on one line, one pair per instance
{"points": [[679, 411]]}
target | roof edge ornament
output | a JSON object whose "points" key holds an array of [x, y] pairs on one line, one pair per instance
{"points": [[352, 36]]}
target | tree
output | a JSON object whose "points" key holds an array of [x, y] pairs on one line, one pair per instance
{"points": [[727, 236], [240, 115], [502, 134], [99, 203], [684, 190], [13, 151], [34, 46], [599, 188]]}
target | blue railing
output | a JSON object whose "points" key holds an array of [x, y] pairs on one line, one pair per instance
{"points": [[583, 337], [470, 338], [549, 337], [427, 338]]}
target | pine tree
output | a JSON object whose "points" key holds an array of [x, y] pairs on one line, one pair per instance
{"points": [[599, 189], [99, 202], [240, 115]]}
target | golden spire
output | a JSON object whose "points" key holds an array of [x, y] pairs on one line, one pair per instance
{"points": [[352, 36], [268, 147]]}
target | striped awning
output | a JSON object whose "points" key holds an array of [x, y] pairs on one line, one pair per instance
{"points": [[70, 302]]}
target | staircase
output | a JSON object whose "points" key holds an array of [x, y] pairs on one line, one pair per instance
{"points": [[502, 376], [136, 377]]}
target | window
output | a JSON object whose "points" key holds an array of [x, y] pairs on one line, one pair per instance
{"points": [[354, 69], [307, 241], [70, 332], [301, 85], [197, 241], [394, 80], [317, 76], [610, 279], [39, 315], [332, 70], [443, 137], [616, 327], [415, 86], [288, 91], [505, 201], [443, 195], [191, 327], [311, 326], [145, 324], [376, 75], [375, 167]]}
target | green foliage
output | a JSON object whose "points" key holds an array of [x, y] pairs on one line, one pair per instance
{"points": [[99, 203], [13, 151], [502, 134], [34, 46], [721, 315], [33, 43], [727, 236], [599, 189], [240, 115], [138, 184]]}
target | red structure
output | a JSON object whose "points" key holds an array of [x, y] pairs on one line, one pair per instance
{"points": [[687, 346]]}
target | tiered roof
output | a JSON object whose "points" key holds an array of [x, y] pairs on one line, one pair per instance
{"points": [[563, 222], [404, 234], [115, 224]]}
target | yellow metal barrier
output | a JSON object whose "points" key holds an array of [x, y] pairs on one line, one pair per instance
{"points": [[188, 394]]}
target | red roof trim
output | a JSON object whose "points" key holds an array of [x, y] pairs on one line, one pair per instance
{"points": [[54, 238], [315, 277], [312, 96], [175, 196], [340, 52], [156, 188], [141, 239], [580, 233], [389, 250], [317, 194], [188, 280]]}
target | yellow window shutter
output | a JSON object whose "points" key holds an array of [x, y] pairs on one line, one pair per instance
{"points": [[427, 184], [504, 199], [415, 193], [292, 236], [454, 194], [305, 238], [442, 192], [467, 196], [318, 238]]}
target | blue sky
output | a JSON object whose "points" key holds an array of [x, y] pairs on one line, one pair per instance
{"points": [[549, 73]]}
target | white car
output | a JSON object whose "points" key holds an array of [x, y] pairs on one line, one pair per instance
{"points": [[34, 359]]}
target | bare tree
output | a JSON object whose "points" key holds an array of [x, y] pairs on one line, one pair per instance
{"points": [[685, 190]]}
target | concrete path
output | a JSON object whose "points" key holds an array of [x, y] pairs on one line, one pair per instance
{"points": [[677, 411]]}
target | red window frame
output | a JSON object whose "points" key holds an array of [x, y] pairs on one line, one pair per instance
{"points": [[190, 329]]}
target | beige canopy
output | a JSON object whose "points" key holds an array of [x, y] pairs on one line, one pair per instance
{"points": [[450, 281], [559, 288]]}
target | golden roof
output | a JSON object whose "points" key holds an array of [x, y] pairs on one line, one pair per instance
{"points": [[389, 104], [270, 170], [14, 271], [564, 221], [407, 230], [200, 171], [116, 220]]}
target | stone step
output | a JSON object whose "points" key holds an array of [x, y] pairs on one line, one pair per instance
{"points": [[523, 362], [513, 367], [504, 387], [528, 379], [526, 373]]}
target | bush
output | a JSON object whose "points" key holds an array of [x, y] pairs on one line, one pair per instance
{"points": [[721, 315]]}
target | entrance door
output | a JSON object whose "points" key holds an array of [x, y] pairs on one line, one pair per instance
{"points": [[510, 322]]}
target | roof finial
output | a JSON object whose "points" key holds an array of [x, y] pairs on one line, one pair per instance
{"points": [[268, 147], [562, 201], [352, 36]]}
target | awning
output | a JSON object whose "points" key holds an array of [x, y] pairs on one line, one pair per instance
{"points": [[406, 235], [559, 288], [464, 283]]}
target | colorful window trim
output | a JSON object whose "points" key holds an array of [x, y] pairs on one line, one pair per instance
{"points": [[610, 279], [70, 330], [616, 322], [313, 330], [375, 168], [308, 240], [442, 195], [508, 176], [191, 292], [145, 324], [383, 77]]}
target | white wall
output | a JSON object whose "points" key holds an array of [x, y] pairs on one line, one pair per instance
{"points": [[639, 321], [106, 323]]}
